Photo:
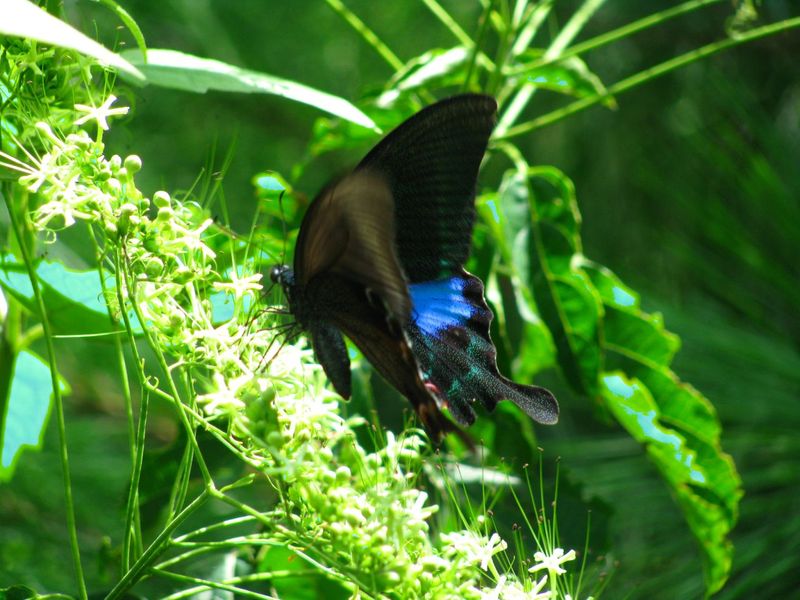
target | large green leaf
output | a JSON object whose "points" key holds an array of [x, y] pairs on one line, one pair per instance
{"points": [[702, 478], [24, 19], [569, 303], [709, 492], [180, 71], [609, 349], [437, 68], [73, 299], [25, 410], [524, 341], [569, 76]]}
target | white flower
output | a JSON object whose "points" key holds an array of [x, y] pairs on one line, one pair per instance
{"points": [[553, 562], [239, 286], [100, 113], [475, 548]]}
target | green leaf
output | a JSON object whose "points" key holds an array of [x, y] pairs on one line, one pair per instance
{"points": [[706, 484], [176, 70], [637, 343], [23, 19], [569, 76], [20, 592], [703, 480], [522, 339], [129, 22], [435, 68], [73, 299], [568, 301], [26, 410], [598, 325]]}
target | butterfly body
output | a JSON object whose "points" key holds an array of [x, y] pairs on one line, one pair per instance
{"points": [[379, 259]]}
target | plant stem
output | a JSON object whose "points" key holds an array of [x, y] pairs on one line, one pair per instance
{"points": [[618, 34], [135, 572], [562, 40], [57, 400], [366, 33], [448, 21], [650, 74]]}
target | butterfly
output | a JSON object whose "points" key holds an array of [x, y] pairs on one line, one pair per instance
{"points": [[380, 257]]}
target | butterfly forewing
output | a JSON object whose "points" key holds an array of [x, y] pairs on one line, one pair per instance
{"points": [[431, 162], [349, 231]]}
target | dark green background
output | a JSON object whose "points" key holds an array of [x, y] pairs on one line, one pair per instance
{"points": [[689, 191]]}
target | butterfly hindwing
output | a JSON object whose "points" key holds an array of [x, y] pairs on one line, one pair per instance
{"points": [[431, 163], [450, 338], [331, 353]]}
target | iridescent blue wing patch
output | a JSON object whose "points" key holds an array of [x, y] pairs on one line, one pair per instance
{"points": [[450, 339]]}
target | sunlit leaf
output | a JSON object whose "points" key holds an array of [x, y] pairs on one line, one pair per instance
{"points": [[180, 71], [638, 344], [26, 410], [24, 19], [569, 76], [567, 299], [74, 299], [434, 69], [702, 478]]}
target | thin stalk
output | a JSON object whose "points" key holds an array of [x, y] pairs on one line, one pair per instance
{"points": [[162, 361], [649, 75], [366, 33], [253, 577], [503, 48], [132, 506], [202, 585], [133, 517], [162, 540], [562, 40], [448, 21], [58, 401], [618, 34], [537, 16], [482, 29]]}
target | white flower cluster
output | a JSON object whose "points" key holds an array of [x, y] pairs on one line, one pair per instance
{"points": [[358, 512]]}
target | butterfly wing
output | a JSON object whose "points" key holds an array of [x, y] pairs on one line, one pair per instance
{"points": [[431, 164], [405, 216], [383, 342], [349, 231], [450, 337]]}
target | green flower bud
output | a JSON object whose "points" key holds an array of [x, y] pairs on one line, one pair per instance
{"points": [[165, 214], [353, 516], [154, 267], [133, 164], [182, 275], [342, 474], [161, 199]]}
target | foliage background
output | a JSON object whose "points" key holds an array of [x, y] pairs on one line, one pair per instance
{"points": [[689, 191]]}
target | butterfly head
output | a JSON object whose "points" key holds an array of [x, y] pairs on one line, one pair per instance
{"points": [[283, 275]]}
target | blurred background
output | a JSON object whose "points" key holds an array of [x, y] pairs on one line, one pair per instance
{"points": [[690, 192]]}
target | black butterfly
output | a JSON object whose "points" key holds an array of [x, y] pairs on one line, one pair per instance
{"points": [[379, 258]]}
